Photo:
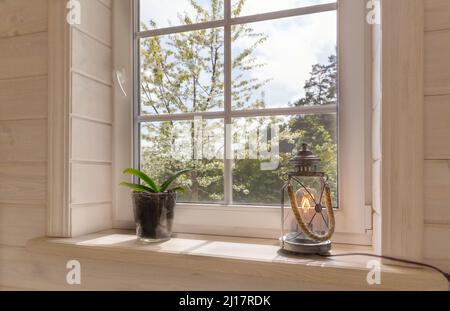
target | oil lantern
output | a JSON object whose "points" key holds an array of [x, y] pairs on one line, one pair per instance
{"points": [[308, 223]]}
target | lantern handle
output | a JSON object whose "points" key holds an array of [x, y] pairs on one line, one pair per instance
{"points": [[307, 231]]}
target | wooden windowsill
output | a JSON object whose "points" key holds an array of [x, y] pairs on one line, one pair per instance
{"points": [[243, 258]]}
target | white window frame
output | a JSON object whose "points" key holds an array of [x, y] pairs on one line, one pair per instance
{"points": [[248, 220]]}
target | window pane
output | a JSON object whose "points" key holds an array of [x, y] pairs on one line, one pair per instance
{"points": [[259, 168], [167, 147], [251, 7], [161, 14], [182, 72], [279, 63]]}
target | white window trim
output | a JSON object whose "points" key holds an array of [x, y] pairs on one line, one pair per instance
{"points": [[257, 221]]}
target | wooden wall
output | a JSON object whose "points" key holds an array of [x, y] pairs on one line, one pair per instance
{"points": [[23, 124], [23, 120], [437, 133], [23, 144], [24, 52]]}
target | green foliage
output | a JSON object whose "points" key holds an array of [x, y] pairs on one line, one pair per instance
{"points": [[183, 73], [150, 184]]}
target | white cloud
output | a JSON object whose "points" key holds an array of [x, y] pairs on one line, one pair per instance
{"points": [[294, 45]]}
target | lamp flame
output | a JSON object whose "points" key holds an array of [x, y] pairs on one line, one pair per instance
{"points": [[306, 203]]}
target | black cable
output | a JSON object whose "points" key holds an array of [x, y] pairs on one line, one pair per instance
{"points": [[446, 275]]}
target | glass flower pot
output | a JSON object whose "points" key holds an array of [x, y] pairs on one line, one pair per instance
{"points": [[154, 214]]}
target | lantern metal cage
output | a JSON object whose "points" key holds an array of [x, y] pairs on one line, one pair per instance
{"points": [[303, 236]]}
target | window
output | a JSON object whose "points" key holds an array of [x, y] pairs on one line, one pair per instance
{"points": [[231, 88]]}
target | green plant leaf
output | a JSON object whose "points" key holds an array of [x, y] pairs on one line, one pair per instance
{"points": [[137, 188], [171, 179], [150, 183]]}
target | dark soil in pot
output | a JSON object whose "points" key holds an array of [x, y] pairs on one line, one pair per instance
{"points": [[153, 214]]}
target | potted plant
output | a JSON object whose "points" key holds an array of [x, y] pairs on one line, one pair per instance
{"points": [[153, 205]]}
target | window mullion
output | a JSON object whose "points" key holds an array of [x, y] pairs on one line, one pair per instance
{"points": [[136, 90], [228, 164]]}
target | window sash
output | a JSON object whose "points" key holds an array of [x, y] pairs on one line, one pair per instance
{"points": [[228, 114], [353, 217], [232, 21]]}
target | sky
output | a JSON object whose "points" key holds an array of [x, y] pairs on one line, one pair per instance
{"points": [[293, 45]]}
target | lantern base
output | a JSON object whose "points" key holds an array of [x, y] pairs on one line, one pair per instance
{"points": [[296, 242]]}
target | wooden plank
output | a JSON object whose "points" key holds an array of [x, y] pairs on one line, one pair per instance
{"points": [[20, 223], [23, 56], [437, 66], [25, 269], [91, 57], [91, 99], [19, 17], [58, 210], [437, 15], [402, 128], [96, 20], [436, 242], [23, 98], [90, 183], [23, 183], [252, 265], [91, 141], [91, 218], [437, 191], [437, 127], [23, 141], [118, 263]]}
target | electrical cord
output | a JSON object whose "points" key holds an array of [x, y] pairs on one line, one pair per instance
{"points": [[446, 275]]}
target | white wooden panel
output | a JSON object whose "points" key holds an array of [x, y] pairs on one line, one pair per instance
{"points": [[376, 186], [376, 133], [437, 191], [91, 218], [58, 211], [91, 57], [437, 14], [91, 141], [437, 64], [23, 56], [96, 20], [436, 242], [25, 269], [402, 128], [376, 65], [23, 183], [437, 127], [20, 223], [23, 98], [107, 3], [18, 17], [376, 233], [91, 99], [23, 140], [238, 258], [90, 183]]}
